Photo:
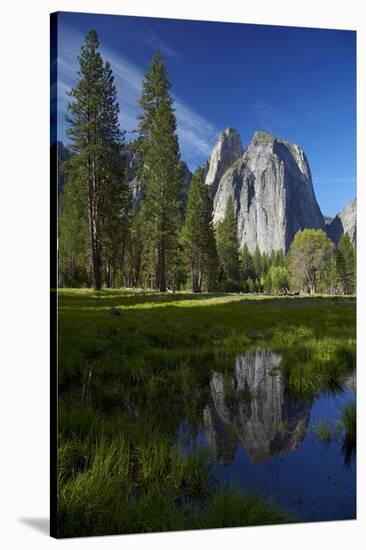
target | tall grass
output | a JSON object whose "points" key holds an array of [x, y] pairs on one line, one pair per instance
{"points": [[234, 509], [118, 491], [318, 364], [190, 474], [154, 459]]}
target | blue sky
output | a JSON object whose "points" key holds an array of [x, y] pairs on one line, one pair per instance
{"points": [[298, 84]]}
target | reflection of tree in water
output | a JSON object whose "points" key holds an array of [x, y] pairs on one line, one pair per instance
{"points": [[348, 416], [253, 408], [348, 450]]}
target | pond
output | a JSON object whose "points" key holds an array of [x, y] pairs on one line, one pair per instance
{"points": [[268, 441]]}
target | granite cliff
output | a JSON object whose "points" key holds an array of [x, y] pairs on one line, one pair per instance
{"points": [[344, 222], [271, 187], [227, 150]]}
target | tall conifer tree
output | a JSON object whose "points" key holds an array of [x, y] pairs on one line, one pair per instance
{"points": [[73, 234], [246, 262], [228, 244], [346, 265], [161, 172], [96, 164], [198, 234], [258, 263]]}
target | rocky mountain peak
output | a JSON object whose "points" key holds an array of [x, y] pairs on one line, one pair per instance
{"points": [[273, 194], [344, 222], [227, 150], [260, 138], [264, 144]]}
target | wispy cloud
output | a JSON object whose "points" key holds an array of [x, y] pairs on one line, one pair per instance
{"points": [[155, 42], [196, 134]]}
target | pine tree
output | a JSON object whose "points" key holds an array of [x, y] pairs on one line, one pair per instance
{"points": [[265, 264], [246, 263], [212, 261], [73, 268], [161, 172], [258, 263], [346, 265], [228, 245], [250, 285], [96, 165], [280, 259], [198, 234], [134, 248], [330, 282]]}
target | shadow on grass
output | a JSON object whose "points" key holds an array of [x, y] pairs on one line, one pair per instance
{"points": [[113, 298]]}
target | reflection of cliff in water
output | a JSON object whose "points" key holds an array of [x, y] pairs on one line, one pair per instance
{"points": [[253, 408]]}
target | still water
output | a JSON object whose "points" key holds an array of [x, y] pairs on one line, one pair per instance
{"points": [[264, 440]]}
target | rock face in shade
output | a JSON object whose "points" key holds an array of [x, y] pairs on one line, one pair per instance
{"points": [[344, 222], [273, 194], [227, 150], [253, 410]]}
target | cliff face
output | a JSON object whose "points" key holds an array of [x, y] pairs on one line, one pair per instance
{"points": [[255, 404], [227, 150], [344, 222], [273, 194]]}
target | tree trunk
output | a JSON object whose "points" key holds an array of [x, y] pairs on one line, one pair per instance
{"points": [[95, 267], [162, 271], [94, 254], [196, 287], [160, 268], [94, 245]]}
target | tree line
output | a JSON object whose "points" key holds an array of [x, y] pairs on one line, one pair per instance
{"points": [[165, 241]]}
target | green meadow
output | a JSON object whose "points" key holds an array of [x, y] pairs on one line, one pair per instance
{"points": [[133, 365]]}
